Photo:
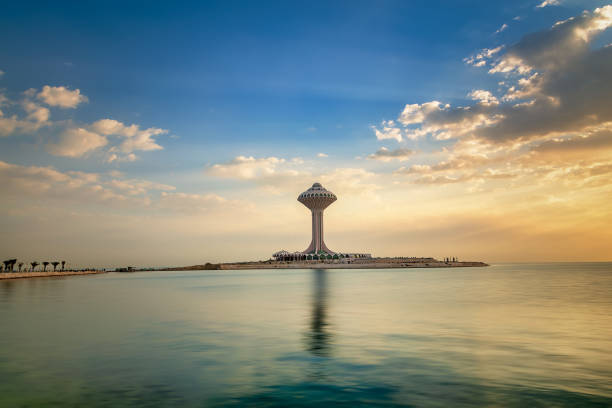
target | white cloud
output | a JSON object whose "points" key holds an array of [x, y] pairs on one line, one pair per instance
{"points": [[137, 187], [322, 155], [481, 58], [12, 124], [61, 96], [68, 139], [443, 123], [502, 28], [114, 157], [76, 142], [37, 117], [350, 181], [548, 3], [8, 124], [246, 168], [142, 141], [386, 155], [135, 138], [483, 97], [389, 131], [36, 112], [415, 113]]}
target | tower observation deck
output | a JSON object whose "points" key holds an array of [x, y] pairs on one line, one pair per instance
{"points": [[317, 199]]}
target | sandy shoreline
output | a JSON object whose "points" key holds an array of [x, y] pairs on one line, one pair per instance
{"points": [[25, 275]]}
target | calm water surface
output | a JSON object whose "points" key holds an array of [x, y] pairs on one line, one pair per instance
{"points": [[505, 336]]}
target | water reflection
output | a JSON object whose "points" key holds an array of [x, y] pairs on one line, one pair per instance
{"points": [[508, 336], [319, 337]]}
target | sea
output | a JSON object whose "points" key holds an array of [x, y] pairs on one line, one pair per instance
{"points": [[507, 335]]}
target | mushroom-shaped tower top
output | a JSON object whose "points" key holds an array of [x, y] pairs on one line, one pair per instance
{"points": [[317, 197]]}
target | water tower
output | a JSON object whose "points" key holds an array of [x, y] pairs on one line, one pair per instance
{"points": [[317, 199]]}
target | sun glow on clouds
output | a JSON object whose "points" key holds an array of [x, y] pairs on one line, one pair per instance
{"points": [[545, 136]]}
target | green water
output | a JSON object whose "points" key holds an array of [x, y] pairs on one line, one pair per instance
{"points": [[522, 335]]}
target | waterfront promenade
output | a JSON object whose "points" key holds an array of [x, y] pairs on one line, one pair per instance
{"points": [[25, 275]]}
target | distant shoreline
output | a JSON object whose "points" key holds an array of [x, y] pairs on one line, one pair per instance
{"points": [[376, 263], [26, 275]]}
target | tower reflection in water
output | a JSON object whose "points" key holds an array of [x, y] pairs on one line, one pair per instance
{"points": [[319, 338]]}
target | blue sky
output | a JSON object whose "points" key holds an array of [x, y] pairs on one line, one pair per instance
{"points": [[232, 79]]}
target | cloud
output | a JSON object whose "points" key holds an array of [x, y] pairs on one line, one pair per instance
{"points": [[196, 203], [114, 157], [388, 131], [386, 155], [322, 155], [415, 113], [246, 168], [37, 117], [75, 186], [137, 187], [76, 142], [12, 124], [36, 113], [481, 58], [135, 138], [277, 175], [61, 96], [350, 181], [546, 3], [555, 83], [483, 97], [502, 28]]}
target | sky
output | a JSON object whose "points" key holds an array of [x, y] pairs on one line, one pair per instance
{"points": [[158, 134]]}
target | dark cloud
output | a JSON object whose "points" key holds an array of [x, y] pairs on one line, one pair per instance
{"points": [[556, 84]]}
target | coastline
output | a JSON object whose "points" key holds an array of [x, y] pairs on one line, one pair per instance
{"points": [[377, 264], [26, 275]]}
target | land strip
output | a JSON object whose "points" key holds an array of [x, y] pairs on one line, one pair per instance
{"points": [[373, 263], [25, 275]]}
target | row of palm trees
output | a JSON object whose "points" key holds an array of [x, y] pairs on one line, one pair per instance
{"points": [[9, 265]]}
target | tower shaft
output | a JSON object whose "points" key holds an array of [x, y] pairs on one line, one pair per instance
{"points": [[317, 243]]}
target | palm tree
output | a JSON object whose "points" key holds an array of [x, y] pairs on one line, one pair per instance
{"points": [[9, 265], [63, 263], [45, 264], [34, 265], [20, 264], [55, 263]]}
